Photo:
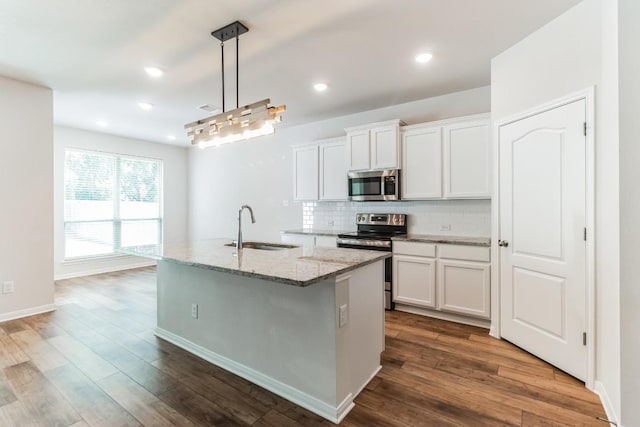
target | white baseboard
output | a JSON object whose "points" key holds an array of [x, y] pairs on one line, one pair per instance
{"points": [[323, 409], [104, 269], [27, 312], [601, 391], [481, 323]]}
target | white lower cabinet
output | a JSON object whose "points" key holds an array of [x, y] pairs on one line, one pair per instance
{"points": [[415, 280], [445, 278], [464, 287], [326, 241]]}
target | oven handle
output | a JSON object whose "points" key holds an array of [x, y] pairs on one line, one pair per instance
{"points": [[364, 244]]}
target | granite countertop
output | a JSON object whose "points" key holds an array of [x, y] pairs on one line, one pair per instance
{"points": [[298, 266], [451, 240], [314, 232]]}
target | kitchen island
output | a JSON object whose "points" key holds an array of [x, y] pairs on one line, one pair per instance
{"points": [[306, 324]]}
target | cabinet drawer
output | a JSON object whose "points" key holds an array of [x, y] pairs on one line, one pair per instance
{"points": [[464, 252], [413, 248]]}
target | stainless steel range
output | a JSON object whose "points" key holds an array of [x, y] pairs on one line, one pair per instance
{"points": [[374, 233]]}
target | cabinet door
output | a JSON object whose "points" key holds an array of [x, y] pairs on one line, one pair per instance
{"points": [[422, 163], [384, 147], [466, 160], [333, 171], [358, 150], [414, 280], [464, 287], [305, 170], [326, 241]]}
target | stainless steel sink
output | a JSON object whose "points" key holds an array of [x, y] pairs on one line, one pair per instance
{"points": [[263, 246]]}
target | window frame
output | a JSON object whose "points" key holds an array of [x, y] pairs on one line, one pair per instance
{"points": [[116, 220]]}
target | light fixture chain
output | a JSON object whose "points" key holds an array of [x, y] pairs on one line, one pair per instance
{"points": [[222, 54], [237, 70]]}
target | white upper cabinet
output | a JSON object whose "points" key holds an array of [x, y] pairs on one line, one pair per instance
{"points": [[421, 162], [446, 160], [466, 160], [320, 170], [358, 150], [374, 146], [305, 171], [333, 169], [384, 146]]}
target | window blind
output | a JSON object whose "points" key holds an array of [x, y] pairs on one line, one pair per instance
{"points": [[110, 201]]}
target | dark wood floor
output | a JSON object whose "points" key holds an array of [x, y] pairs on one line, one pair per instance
{"points": [[96, 362]]}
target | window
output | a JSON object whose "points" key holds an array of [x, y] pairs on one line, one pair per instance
{"points": [[110, 201]]}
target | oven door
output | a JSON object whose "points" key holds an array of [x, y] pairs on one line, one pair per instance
{"points": [[374, 185]]}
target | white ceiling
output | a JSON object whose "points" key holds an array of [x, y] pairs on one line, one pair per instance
{"points": [[92, 54]]}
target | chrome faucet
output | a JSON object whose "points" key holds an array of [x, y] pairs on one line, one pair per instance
{"points": [[253, 220]]}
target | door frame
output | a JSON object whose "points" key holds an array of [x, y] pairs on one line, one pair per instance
{"points": [[588, 94]]}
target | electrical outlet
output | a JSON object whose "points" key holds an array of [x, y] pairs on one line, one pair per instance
{"points": [[445, 227], [343, 315], [194, 311], [285, 203], [330, 223], [8, 287]]}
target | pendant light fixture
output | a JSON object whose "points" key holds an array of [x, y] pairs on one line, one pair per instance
{"points": [[242, 123]]}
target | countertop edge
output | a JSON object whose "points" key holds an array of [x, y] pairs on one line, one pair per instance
{"points": [[291, 282], [331, 233], [449, 240]]}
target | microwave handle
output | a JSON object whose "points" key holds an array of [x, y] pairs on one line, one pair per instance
{"points": [[396, 187]]}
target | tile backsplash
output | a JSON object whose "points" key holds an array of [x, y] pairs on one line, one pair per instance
{"points": [[446, 217]]}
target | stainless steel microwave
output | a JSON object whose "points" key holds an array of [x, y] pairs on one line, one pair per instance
{"points": [[374, 185]]}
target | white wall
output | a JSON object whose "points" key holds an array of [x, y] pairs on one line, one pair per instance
{"points": [[26, 192], [174, 194], [629, 13], [258, 172], [573, 52]]}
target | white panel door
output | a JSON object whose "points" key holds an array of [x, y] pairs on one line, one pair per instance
{"points": [[384, 147], [542, 219], [305, 171], [359, 151], [422, 163], [333, 170], [414, 280], [466, 159]]}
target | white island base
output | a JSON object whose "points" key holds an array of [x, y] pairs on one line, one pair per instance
{"points": [[285, 338]]}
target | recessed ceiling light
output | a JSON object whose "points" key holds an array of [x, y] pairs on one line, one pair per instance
{"points": [[154, 72], [320, 87], [423, 58], [145, 105], [102, 123], [171, 137]]}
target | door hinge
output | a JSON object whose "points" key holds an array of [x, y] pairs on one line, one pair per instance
{"points": [[585, 128], [584, 338], [585, 234]]}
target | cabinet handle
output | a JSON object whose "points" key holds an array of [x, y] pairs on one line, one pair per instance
{"points": [[503, 243]]}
